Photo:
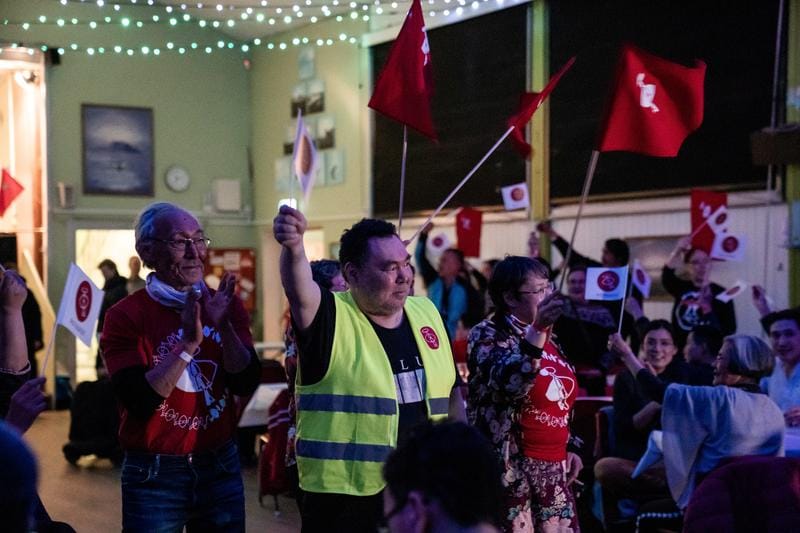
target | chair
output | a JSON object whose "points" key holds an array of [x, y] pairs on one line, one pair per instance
{"points": [[752, 493], [604, 432]]}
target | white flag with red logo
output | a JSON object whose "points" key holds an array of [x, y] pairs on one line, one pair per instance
{"points": [[304, 158], [718, 220], [515, 196], [606, 283], [641, 279], [728, 246], [80, 304], [728, 295], [438, 244]]}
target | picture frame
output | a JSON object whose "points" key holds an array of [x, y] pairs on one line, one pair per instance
{"points": [[653, 253], [118, 148]]}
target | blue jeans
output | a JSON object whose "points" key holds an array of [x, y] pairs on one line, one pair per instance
{"points": [[163, 493]]}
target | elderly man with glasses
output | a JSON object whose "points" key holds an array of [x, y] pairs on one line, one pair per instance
{"points": [[177, 353]]}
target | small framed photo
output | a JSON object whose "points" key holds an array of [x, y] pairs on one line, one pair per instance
{"points": [[326, 132], [315, 98], [117, 150], [334, 167], [299, 99]]}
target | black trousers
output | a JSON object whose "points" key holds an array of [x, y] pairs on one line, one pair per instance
{"points": [[321, 512]]}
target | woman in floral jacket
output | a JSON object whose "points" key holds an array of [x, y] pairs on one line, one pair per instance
{"points": [[521, 392]]}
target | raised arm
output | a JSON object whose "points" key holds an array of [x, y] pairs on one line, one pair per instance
{"points": [[298, 284], [14, 356]]}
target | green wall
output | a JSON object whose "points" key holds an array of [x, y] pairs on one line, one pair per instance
{"points": [[201, 112]]}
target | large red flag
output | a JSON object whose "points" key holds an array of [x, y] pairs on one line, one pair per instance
{"points": [[405, 85], [704, 204], [468, 231], [528, 104], [9, 190], [655, 105]]}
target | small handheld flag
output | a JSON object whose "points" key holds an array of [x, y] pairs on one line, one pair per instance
{"points": [[606, 283]]}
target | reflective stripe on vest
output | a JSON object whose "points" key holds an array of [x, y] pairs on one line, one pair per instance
{"points": [[349, 404], [439, 406], [347, 451]]}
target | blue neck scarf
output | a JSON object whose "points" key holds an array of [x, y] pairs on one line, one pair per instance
{"points": [[165, 294]]}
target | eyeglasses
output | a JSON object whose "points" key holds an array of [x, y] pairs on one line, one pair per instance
{"points": [[180, 245], [544, 290]]}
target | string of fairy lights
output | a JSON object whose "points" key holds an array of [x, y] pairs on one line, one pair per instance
{"points": [[275, 14]]}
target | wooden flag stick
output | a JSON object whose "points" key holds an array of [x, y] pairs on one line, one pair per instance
{"points": [[463, 182], [587, 184], [402, 179], [625, 294], [43, 372]]}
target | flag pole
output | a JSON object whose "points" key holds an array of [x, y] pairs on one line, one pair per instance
{"points": [[626, 294], [402, 179], [587, 183], [463, 182], [49, 349]]}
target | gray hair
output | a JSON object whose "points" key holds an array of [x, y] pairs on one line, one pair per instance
{"points": [[145, 224], [749, 357]]}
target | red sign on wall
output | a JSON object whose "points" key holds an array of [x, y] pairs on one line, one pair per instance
{"points": [[239, 261]]}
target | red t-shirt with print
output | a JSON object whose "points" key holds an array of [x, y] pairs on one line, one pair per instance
{"points": [[199, 415], [546, 409]]}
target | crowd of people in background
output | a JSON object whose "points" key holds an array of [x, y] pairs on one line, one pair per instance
{"points": [[372, 377]]}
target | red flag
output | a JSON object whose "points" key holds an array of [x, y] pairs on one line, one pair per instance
{"points": [[655, 105], [405, 85], [9, 190], [704, 204], [528, 104], [468, 231]]}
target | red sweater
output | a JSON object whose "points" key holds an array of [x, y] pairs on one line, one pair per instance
{"points": [[199, 414], [545, 413]]}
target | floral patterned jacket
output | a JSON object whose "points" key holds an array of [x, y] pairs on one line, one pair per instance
{"points": [[500, 376]]}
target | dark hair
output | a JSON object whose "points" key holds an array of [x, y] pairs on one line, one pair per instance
{"points": [[577, 267], [509, 275], [354, 243], [18, 485], [690, 252], [451, 463], [660, 324], [708, 336], [619, 249], [323, 271], [108, 263], [459, 255], [784, 314]]}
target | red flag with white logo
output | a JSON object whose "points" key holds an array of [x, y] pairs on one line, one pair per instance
{"points": [[9, 190], [705, 226], [80, 304], [468, 231], [405, 85], [515, 196], [606, 283], [654, 106], [528, 104]]}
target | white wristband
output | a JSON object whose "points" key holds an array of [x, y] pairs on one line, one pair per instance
{"points": [[186, 357]]}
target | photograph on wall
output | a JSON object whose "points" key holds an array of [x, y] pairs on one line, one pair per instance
{"points": [[305, 64], [653, 253], [334, 167], [315, 97], [320, 177], [238, 261], [326, 132], [299, 96], [117, 150], [283, 173]]}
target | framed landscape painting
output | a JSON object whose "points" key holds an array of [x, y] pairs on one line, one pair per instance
{"points": [[117, 150]]}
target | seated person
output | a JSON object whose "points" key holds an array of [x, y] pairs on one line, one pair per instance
{"points": [[783, 385], [442, 478], [695, 298], [702, 346], [583, 330], [636, 414], [703, 425]]}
